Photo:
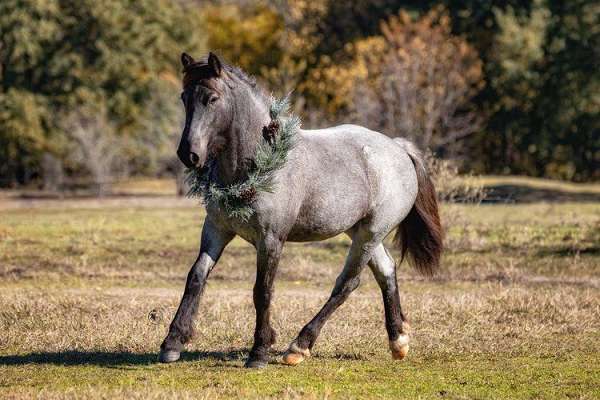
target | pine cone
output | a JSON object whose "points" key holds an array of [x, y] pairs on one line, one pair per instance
{"points": [[248, 194], [270, 131]]}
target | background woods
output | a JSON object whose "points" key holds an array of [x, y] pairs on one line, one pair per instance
{"points": [[498, 86]]}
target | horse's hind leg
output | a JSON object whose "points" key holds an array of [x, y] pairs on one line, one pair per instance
{"points": [[384, 269], [181, 329], [346, 282]]}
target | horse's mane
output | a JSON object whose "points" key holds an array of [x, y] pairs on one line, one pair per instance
{"points": [[200, 71]]}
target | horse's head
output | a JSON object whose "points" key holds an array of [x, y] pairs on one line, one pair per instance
{"points": [[208, 110]]}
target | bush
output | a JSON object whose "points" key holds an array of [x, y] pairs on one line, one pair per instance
{"points": [[452, 186]]}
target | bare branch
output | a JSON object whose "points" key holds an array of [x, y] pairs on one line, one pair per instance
{"points": [[424, 86]]}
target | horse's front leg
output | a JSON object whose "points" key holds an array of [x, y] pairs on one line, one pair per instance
{"points": [[181, 329], [268, 253]]}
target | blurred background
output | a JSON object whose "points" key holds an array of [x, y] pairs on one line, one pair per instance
{"points": [[89, 89]]}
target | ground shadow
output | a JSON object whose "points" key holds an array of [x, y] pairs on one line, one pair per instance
{"points": [[568, 251], [527, 194], [112, 359]]}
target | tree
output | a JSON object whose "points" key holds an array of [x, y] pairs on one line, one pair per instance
{"points": [[22, 133], [60, 54], [542, 94], [567, 111], [417, 81], [94, 146], [246, 36]]}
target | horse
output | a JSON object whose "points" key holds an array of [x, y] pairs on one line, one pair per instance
{"points": [[343, 179]]}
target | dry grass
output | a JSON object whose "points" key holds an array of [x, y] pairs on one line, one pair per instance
{"points": [[86, 296], [456, 321]]}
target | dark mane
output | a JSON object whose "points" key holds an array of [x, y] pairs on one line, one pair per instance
{"points": [[201, 71]]}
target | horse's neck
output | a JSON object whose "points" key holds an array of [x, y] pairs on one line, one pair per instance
{"points": [[250, 115]]}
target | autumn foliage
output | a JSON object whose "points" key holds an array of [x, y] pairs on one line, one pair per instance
{"points": [[500, 87]]}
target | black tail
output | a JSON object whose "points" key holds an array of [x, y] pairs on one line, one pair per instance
{"points": [[420, 235]]}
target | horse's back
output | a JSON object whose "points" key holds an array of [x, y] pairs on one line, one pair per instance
{"points": [[380, 159], [348, 174]]}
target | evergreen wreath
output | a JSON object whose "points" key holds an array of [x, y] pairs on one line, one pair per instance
{"points": [[271, 154]]}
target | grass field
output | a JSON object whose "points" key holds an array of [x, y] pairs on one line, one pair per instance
{"points": [[87, 289]]}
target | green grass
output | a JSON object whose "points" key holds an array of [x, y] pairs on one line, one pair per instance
{"points": [[526, 377], [515, 312]]}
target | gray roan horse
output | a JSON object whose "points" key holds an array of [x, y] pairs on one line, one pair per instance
{"points": [[345, 179]]}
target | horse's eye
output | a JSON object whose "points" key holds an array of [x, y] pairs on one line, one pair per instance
{"points": [[213, 99]]}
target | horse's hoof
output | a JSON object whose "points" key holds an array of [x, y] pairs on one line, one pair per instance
{"points": [[258, 364], [292, 358], [399, 347], [295, 355], [168, 356]]}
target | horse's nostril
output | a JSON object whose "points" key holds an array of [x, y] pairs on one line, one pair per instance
{"points": [[194, 158]]}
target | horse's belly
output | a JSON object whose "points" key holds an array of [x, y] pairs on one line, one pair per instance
{"points": [[306, 234], [328, 215]]}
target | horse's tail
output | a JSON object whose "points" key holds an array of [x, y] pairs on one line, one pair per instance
{"points": [[420, 235]]}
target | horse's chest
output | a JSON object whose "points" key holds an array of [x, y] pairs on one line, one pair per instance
{"points": [[245, 229]]}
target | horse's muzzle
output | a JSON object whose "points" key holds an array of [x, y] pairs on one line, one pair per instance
{"points": [[185, 156]]}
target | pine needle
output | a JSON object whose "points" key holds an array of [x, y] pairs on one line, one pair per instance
{"points": [[236, 199]]}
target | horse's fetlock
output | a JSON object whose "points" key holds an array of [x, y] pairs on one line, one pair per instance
{"points": [[405, 327], [259, 353], [295, 354], [172, 344]]}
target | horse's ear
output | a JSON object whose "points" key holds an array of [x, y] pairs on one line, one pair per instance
{"points": [[215, 63], [186, 60]]}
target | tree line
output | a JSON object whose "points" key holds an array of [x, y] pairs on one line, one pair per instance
{"points": [[89, 89]]}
